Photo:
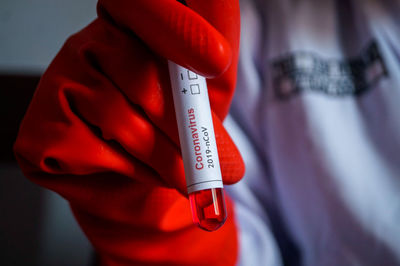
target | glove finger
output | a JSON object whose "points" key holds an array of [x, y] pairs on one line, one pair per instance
{"points": [[174, 31], [227, 24], [53, 140], [231, 162], [138, 73], [118, 120]]}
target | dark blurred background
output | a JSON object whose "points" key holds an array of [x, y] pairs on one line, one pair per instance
{"points": [[36, 225]]}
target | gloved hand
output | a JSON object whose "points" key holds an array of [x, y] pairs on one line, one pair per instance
{"points": [[101, 129]]}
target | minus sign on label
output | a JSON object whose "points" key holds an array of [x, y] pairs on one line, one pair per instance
{"points": [[181, 76]]}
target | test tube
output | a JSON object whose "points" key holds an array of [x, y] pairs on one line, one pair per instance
{"points": [[198, 147]]}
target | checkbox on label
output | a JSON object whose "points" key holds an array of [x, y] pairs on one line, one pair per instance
{"points": [[192, 75], [195, 88]]}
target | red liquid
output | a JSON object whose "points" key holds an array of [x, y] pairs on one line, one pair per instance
{"points": [[208, 208]]}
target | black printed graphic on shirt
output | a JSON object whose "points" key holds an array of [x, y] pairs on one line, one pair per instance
{"points": [[302, 71]]}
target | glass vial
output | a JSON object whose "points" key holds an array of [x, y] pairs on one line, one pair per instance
{"points": [[198, 147]]}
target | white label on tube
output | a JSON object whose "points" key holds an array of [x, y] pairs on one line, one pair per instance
{"points": [[196, 131]]}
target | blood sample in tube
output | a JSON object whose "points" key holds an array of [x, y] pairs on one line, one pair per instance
{"points": [[199, 148]]}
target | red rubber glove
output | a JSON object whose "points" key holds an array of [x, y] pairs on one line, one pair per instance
{"points": [[101, 129]]}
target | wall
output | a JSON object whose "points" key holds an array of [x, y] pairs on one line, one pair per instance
{"points": [[36, 225], [31, 32]]}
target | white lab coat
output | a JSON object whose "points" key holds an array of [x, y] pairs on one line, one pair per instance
{"points": [[316, 116]]}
